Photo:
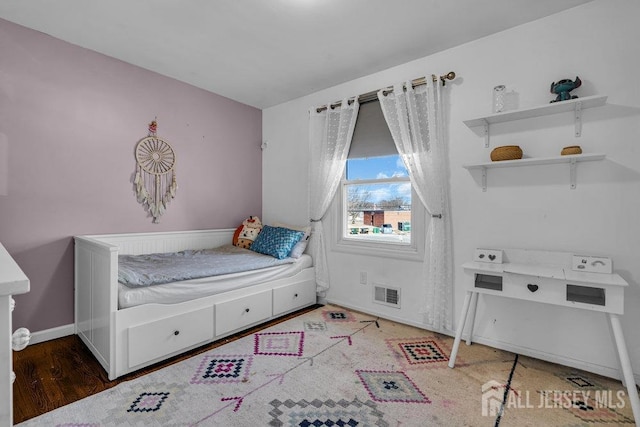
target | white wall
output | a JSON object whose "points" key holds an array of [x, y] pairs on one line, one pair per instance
{"points": [[523, 207]]}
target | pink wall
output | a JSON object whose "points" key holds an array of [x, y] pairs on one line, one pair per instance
{"points": [[69, 122]]}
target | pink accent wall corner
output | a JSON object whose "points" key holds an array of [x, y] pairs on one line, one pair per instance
{"points": [[69, 122]]}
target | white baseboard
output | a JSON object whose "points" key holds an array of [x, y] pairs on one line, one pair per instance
{"points": [[51, 334], [392, 318], [606, 371]]}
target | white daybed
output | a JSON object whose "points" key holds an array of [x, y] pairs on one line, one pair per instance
{"points": [[127, 339]]}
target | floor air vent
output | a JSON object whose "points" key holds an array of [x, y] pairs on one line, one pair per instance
{"points": [[386, 296]]}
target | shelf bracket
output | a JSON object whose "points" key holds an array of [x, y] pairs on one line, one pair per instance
{"points": [[486, 134], [578, 119], [484, 179], [572, 173]]}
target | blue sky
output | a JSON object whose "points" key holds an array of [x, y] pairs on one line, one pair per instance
{"points": [[375, 167], [381, 167]]}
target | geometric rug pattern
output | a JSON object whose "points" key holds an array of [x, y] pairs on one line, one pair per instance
{"points": [[587, 408], [146, 404], [215, 369], [336, 367], [338, 316], [426, 352], [319, 413], [422, 352], [279, 343], [315, 326], [391, 387]]}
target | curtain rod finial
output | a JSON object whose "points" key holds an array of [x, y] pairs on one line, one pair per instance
{"points": [[449, 76]]}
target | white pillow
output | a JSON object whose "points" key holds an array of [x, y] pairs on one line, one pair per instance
{"points": [[300, 247]]}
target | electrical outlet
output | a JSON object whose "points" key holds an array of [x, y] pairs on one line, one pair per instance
{"points": [[363, 277], [493, 256], [592, 264]]}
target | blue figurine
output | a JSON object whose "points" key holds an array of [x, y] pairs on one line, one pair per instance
{"points": [[563, 87]]}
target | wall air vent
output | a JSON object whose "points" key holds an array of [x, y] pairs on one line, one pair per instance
{"points": [[386, 296]]}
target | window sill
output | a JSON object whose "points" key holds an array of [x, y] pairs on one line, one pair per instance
{"points": [[387, 250]]}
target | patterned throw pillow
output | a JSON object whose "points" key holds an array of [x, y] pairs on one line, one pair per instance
{"points": [[276, 241], [301, 246]]}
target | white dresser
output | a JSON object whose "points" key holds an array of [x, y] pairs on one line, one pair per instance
{"points": [[12, 281]]}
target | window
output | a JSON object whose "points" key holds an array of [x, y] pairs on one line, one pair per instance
{"points": [[376, 212], [377, 200]]}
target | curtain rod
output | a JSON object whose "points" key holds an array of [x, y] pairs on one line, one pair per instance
{"points": [[373, 95]]}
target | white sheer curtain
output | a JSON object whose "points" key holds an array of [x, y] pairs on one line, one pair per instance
{"points": [[330, 133], [415, 120]]}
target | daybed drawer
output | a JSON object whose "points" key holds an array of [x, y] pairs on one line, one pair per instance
{"points": [[162, 337], [290, 297], [241, 312]]}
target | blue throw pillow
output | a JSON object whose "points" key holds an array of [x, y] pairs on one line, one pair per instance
{"points": [[276, 241]]}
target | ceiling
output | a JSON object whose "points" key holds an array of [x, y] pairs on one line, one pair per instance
{"points": [[265, 52]]}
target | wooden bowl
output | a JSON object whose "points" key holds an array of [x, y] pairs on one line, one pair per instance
{"points": [[572, 149], [506, 152]]}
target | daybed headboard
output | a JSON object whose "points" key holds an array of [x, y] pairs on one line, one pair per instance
{"points": [[172, 241]]}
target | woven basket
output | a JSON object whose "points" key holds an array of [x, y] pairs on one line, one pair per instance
{"points": [[506, 152], [572, 149]]}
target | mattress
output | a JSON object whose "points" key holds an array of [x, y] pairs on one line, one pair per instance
{"points": [[160, 268], [177, 292]]}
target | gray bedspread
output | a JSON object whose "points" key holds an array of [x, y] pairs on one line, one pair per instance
{"points": [[155, 269]]}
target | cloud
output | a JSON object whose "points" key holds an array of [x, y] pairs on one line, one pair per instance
{"points": [[404, 190], [396, 174], [381, 193]]}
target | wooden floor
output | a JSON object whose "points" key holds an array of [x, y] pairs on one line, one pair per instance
{"points": [[58, 372]]}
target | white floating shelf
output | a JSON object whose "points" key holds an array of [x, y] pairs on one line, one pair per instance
{"points": [[571, 159], [536, 161], [576, 105], [542, 110]]}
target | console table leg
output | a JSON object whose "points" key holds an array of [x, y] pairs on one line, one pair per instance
{"points": [[627, 372], [474, 305], [461, 322]]}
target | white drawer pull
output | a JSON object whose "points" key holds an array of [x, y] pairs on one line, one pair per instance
{"points": [[13, 377], [13, 304], [532, 287], [20, 339]]}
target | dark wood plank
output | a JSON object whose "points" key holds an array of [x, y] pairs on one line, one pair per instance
{"points": [[61, 371]]}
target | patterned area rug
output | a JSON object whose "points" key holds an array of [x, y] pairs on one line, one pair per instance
{"points": [[335, 367]]}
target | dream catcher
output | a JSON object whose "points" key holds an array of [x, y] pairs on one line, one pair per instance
{"points": [[155, 179]]}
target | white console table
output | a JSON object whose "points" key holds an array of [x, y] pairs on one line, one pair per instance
{"points": [[12, 281], [547, 283]]}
